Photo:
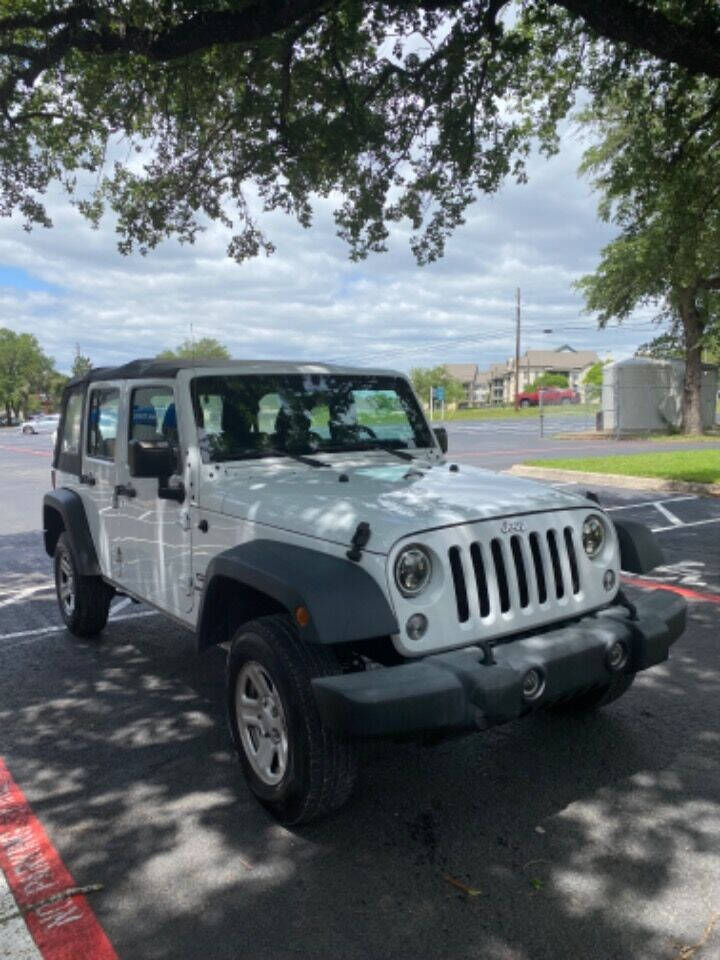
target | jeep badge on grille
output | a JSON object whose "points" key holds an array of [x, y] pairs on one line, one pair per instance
{"points": [[513, 526]]}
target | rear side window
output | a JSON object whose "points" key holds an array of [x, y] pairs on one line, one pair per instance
{"points": [[103, 409], [70, 433], [152, 414]]}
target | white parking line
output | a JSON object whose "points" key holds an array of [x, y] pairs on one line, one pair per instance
{"points": [[24, 594], [692, 523], [39, 631], [646, 503], [675, 521], [114, 611]]}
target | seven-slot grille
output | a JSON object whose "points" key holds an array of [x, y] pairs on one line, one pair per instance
{"points": [[522, 572]]}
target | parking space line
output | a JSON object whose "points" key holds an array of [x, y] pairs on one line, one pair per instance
{"points": [[676, 521], [24, 594], [39, 631], [57, 915], [681, 525], [647, 503]]}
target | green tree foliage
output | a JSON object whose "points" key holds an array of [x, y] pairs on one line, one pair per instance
{"points": [[657, 167], [594, 376], [666, 346], [81, 363], [405, 108], [549, 380], [24, 371], [207, 348], [423, 378]]}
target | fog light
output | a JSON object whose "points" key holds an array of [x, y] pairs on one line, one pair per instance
{"points": [[609, 580], [416, 626], [617, 656], [533, 684]]}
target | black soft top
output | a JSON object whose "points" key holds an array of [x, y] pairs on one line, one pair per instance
{"points": [[142, 369]]}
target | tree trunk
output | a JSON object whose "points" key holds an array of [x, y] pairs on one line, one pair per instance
{"points": [[8, 412], [692, 335]]}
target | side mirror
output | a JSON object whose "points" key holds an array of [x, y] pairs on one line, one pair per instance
{"points": [[151, 458], [441, 437]]}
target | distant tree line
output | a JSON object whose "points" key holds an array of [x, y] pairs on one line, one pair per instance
{"points": [[30, 382]]}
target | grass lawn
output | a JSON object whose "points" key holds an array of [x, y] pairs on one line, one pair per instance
{"points": [[507, 413], [696, 466]]}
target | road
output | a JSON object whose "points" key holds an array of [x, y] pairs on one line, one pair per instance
{"points": [[498, 444], [545, 839]]}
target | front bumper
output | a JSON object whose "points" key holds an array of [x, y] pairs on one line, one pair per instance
{"points": [[457, 689]]}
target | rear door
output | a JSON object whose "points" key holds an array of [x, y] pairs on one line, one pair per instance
{"points": [[153, 533]]}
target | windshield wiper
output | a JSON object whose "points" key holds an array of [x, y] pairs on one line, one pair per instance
{"points": [[308, 461], [400, 454]]}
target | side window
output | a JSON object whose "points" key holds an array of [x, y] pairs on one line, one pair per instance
{"points": [[152, 414], [70, 433], [103, 411]]}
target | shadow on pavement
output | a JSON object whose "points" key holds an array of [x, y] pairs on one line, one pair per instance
{"points": [[585, 838]]}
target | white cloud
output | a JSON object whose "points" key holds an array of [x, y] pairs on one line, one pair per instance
{"points": [[309, 300]]}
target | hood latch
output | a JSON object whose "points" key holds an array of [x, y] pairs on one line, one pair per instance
{"points": [[359, 541]]}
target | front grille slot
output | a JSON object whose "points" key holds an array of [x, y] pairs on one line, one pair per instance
{"points": [[458, 576], [520, 570], [501, 574], [555, 560], [480, 579], [570, 546], [539, 569]]}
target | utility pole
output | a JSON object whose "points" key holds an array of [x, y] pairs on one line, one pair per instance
{"points": [[517, 347]]}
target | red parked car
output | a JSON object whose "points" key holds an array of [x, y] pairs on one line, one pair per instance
{"points": [[550, 395]]}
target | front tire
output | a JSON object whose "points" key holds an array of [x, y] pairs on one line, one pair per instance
{"points": [[297, 768], [84, 601], [27, 430], [524, 403], [600, 697]]}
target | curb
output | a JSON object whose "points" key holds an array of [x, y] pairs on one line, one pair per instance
{"points": [[615, 480]]}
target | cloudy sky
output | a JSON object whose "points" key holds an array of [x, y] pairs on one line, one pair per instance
{"points": [[69, 285]]}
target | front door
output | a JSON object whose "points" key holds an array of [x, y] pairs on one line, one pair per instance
{"points": [[153, 534], [99, 472]]}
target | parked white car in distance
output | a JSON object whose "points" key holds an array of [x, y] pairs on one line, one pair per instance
{"points": [[44, 424]]}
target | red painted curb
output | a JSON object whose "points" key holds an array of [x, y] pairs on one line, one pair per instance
{"points": [[34, 453], [64, 929], [686, 592]]}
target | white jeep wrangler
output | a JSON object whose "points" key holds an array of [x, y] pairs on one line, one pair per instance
{"points": [[307, 516]]}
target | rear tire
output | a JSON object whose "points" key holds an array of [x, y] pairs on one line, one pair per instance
{"points": [[84, 601], [524, 403], [297, 768], [598, 698]]}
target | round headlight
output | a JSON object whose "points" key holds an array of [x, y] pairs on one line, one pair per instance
{"points": [[593, 536], [413, 569]]}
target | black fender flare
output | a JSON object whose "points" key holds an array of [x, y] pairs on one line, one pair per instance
{"points": [[343, 602], [640, 551], [68, 507]]}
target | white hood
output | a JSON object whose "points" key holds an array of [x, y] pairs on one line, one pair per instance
{"points": [[396, 499]]}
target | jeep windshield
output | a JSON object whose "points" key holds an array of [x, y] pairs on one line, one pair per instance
{"points": [[242, 417]]}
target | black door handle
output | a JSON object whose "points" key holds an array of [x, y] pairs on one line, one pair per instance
{"points": [[124, 491], [87, 478]]}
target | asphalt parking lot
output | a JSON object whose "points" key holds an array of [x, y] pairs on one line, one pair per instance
{"points": [[545, 839]]}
